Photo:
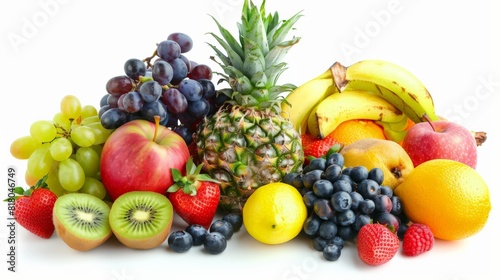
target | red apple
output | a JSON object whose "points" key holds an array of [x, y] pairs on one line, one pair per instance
{"points": [[440, 140], [139, 155]]}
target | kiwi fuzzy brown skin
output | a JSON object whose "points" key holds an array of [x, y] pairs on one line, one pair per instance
{"points": [[140, 242], [73, 240]]}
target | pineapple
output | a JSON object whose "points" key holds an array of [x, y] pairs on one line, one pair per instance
{"points": [[247, 143]]}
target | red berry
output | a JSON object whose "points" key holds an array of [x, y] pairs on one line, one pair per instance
{"points": [[316, 147], [376, 244], [34, 212], [418, 239]]}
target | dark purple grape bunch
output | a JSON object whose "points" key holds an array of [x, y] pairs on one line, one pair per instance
{"points": [[340, 200], [167, 84]]}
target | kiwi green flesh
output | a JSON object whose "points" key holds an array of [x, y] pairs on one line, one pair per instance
{"points": [[141, 216], [81, 220]]}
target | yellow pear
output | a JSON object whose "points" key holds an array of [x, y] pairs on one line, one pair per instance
{"points": [[384, 154]]}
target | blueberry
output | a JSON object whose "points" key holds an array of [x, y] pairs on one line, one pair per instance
{"points": [[346, 233], [367, 206], [346, 178], [342, 185], [383, 203], [397, 206], [346, 170], [356, 199], [337, 240], [341, 201], [198, 232], [335, 158], [319, 243], [180, 241], [358, 173], [323, 208], [346, 218], [323, 188], [236, 220], [331, 252], [402, 230], [327, 230], [215, 243], [224, 227], [309, 198], [368, 188], [298, 181], [376, 174], [315, 164], [311, 225], [311, 177], [386, 190], [289, 178], [361, 220], [333, 172]]}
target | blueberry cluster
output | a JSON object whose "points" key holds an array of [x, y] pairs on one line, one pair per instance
{"points": [[214, 240], [168, 84], [340, 200]]}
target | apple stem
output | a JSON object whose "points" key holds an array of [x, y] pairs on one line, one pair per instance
{"points": [[157, 125], [429, 121]]}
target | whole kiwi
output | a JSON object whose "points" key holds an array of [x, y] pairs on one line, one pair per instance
{"points": [[81, 220], [141, 219]]}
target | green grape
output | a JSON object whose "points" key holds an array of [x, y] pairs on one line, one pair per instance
{"points": [[63, 123], [89, 120], [23, 147], [94, 187], [71, 175], [102, 134], [89, 160], [88, 111], [71, 107], [40, 161], [97, 148], [61, 149], [83, 136], [43, 131], [53, 180]]}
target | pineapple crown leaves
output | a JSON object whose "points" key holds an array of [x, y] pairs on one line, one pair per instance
{"points": [[191, 181], [253, 64]]}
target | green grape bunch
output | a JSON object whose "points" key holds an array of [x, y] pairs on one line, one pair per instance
{"points": [[65, 151]]}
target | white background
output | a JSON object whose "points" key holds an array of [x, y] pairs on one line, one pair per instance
{"points": [[51, 48]]}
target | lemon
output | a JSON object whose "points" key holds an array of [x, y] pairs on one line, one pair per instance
{"points": [[274, 213], [451, 198]]}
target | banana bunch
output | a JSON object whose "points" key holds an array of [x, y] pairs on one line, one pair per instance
{"points": [[369, 89]]}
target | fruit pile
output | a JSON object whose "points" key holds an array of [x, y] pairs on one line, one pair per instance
{"points": [[166, 142]]}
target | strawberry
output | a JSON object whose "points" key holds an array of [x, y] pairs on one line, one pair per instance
{"points": [[376, 244], [314, 147], [417, 239], [33, 209], [195, 196]]}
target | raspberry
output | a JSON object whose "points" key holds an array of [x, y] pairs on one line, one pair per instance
{"points": [[418, 239]]}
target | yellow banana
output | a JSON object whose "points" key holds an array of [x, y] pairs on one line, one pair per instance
{"points": [[392, 82], [301, 101], [395, 131], [350, 105]]}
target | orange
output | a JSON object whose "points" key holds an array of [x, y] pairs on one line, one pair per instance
{"points": [[353, 130], [451, 198], [274, 213]]}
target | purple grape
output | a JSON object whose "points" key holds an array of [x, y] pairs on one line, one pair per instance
{"points": [[208, 88], [113, 118], [112, 100], [132, 102], [150, 91], [135, 68], [119, 85], [175, 101], [168, 50], [180, 70], [200, 71], [151, 109], [191, 89], [162, 72], [185, 42], [199, 108]]}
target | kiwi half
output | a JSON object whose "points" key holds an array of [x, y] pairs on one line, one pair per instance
{"points": [[141, 219], [81, 220]]}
